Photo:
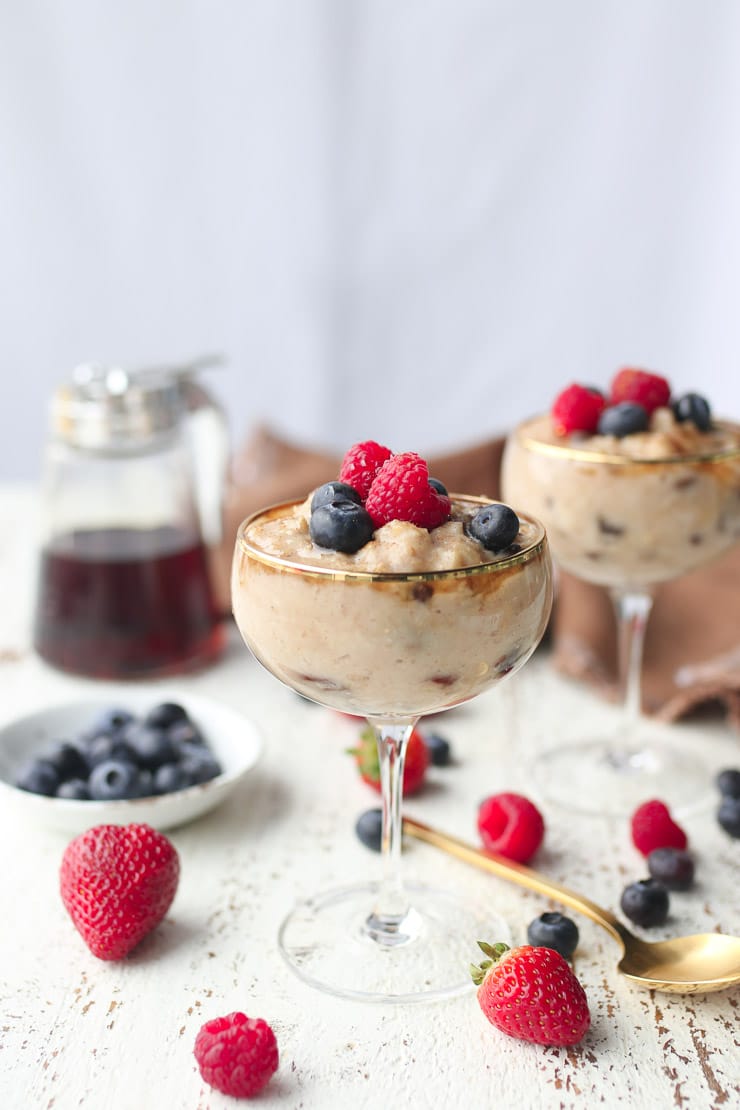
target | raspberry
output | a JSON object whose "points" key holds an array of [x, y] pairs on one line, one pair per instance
{"points": [[511, 825], [576, 409], [236, 1054], [401, 491], [361, 463], [649, 390], [653, 827]]}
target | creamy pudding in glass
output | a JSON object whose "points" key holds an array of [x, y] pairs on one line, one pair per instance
{"points": [[631, 495], [416, 620], [642, 508]]}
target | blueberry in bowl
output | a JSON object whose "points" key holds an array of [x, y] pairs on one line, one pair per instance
{"points": [[147, 756]]}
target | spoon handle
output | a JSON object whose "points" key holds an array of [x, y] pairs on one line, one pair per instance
{"points": [[516, 873]]}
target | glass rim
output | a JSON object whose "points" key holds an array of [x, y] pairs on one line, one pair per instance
{"points": [[533, 550], [568, 451]]}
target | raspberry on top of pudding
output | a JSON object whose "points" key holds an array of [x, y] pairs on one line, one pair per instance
{"points": [[639, 418], [386, 515]]}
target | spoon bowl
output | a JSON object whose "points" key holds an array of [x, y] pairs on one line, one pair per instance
{"points": [[696, 964], [683, 965]]}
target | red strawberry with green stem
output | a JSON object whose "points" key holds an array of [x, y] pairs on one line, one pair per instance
{"points": [[531, 993], [117, 883], [368, 764]]}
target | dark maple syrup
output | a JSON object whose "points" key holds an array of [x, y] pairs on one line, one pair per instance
{"points": [[126, 603]]}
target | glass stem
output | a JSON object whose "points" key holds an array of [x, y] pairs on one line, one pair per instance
{"points": [[632, 609], [388, 923]]}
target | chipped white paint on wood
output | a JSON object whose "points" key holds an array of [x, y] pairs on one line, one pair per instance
{"points": [[76, 1032]]}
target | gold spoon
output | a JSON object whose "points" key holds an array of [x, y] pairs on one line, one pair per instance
{"points": [[684, 965]]}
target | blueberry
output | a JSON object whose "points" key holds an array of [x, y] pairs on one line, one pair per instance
{"points": [[146, 783], [728, 783], [728, 815], [102, 748], [645, 902], [438, 486], [38, 776], [369, 828], [341, 525], [200, 767], [150, 747], [186, 750], [68, 760], [440, 751], [74, 788], [672, 867], [113, 780], [165, 714], [694, 407], [112, 720], [554, 930], [495, 526], [334, 491], [183, 736], [170, 777], [623, 419]]}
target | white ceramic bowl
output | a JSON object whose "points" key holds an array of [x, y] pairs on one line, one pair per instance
{"points": [[232, 738]]}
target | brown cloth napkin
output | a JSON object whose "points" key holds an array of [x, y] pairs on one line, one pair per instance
{"points": [[692, 650]]}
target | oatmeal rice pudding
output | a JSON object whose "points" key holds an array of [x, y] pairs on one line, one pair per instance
{"points": [[418, 619], [640, 508]]}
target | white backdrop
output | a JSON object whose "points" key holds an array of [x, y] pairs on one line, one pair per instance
{"points": [[408, 221]]}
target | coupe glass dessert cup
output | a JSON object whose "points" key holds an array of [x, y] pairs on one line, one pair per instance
{"points": [[627, 514], [390, 645]]}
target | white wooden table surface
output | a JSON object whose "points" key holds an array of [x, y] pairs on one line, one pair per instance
{"points": [[77, 1032]]}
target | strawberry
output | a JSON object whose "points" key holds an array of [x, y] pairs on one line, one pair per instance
{"points": [[117, 883], [531, 993], [415, 767]]}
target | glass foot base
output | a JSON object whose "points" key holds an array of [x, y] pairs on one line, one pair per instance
{"points": [[336, 943], [600, 778]]}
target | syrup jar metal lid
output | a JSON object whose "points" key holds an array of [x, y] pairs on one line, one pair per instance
{"points": [[107, 408]]}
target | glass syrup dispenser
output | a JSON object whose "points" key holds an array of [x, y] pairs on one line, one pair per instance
{"points": [[129, 508]]}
